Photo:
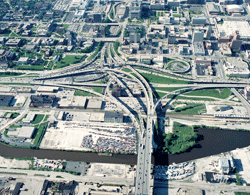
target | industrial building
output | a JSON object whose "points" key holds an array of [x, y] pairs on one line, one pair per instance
{"points": [[22, 132], [75, 102], [226, 165], [42, 100], [235, 9], [5, 100], [97, 117], [113, 117], [213, 9], [94, 104], [47, 89]]}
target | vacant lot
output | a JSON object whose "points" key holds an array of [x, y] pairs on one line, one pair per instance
{"points": [[217, 93], [67, 60]]}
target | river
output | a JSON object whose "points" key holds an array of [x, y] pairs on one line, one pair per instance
{"points": [[214, 141]]}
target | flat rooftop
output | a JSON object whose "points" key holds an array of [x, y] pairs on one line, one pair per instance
{"points": [[47, 89], [94, 104], [25, 132], [97, 117]]}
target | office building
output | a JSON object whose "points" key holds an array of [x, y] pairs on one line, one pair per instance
{"points": [[171, 38], [197, 36], [135, 9], [199, 21]]}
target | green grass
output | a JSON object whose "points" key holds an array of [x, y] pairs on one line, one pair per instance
{"points": [[15, 126], [161, 80], [126, 70], [82, 93], [46, 117], [13, 173], [182, 139], [242, 193], [40, 133], [158, 72], [190, 98], [217, 93], [38, 118], [6, 133], [157, 94], [111, 53], [176, 15], [9, 74], [14, 115], [66, 26], [68, 60], [191, 108], [50, 65], [15, 84], [111, 15], [116, 45], [98, 48], [98, 89], [31, 67]]}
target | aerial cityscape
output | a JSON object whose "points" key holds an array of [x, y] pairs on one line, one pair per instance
{"points": [[136, 97]]}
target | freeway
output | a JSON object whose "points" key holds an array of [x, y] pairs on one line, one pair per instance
{"points": [[203, 86], [143, 173], [242, 99]]}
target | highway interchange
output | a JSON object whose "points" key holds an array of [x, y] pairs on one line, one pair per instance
{"points": [[144, 125]]}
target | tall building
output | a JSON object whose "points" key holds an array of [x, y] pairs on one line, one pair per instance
{"points": [[97, 18], [171, 38], [247, 92], [135, 9], [208, 32], [236, 42], [198, 36]]}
